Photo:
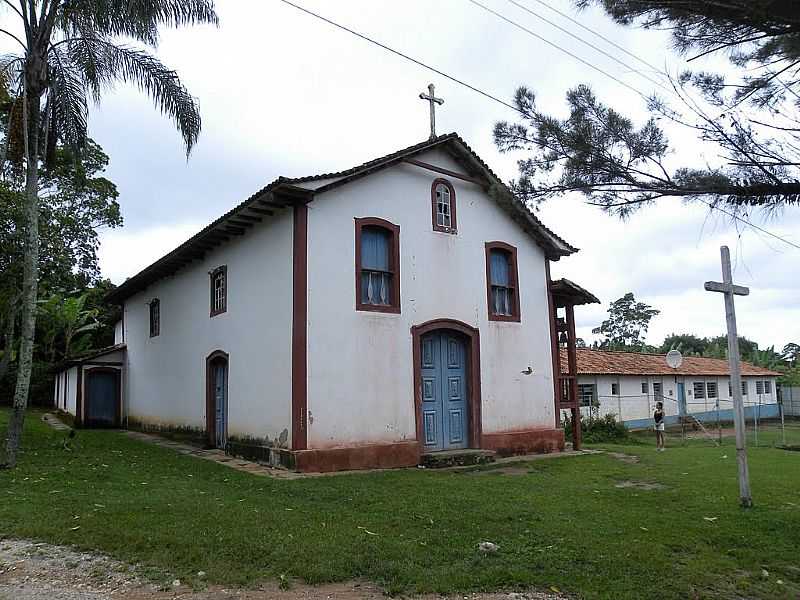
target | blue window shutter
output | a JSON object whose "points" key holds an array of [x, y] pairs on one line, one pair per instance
{"points": [[499, 268], [375, 249]]}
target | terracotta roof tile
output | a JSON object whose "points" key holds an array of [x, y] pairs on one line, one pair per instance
{"points": [[604, 362]]}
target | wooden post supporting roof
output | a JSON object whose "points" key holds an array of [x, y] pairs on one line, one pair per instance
{"points": [[567, 295]]}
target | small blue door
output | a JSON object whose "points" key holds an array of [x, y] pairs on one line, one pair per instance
{"points": [[220, 403], [444, 392], [102, 398], [681, 399]]}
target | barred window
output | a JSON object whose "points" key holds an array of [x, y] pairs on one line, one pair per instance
{"points": [[699, 389], [443, 200], [587, 394], [155, 317], [711, 389], [219, 290], [767, 387], [759, 387]]}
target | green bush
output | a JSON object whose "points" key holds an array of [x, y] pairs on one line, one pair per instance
{"points": [[598, 429]]}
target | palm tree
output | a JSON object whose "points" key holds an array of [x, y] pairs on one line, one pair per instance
{"points": [[71, 53]]}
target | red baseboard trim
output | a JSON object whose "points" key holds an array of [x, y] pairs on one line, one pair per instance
{"points": [[375, 456], [507, 443]]}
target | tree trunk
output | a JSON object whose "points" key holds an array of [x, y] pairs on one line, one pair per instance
{"points": [[30, 280], [9, 339]]}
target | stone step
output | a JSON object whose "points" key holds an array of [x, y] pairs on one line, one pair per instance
{"points": [[457, 458]]}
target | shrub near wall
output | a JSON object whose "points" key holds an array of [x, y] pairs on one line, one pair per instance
{"points": [[598, 429]]}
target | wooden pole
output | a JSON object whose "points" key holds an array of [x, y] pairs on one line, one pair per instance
{"points": [[728, 290], [572, 360]]}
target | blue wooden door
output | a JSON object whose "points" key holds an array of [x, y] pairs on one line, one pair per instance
{"points": [[681, 399], [102, 398], [220, 403], [444, 391]]}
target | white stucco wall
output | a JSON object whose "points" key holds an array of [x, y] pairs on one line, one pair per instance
{"points": [[360, 363], [72, 390], [166, 379], [631, 404]]}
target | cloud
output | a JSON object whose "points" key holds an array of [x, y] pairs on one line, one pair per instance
{"points": [[284, 94], [123, 253]]}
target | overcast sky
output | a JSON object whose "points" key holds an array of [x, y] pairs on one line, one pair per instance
{"points": [[282, 93]]}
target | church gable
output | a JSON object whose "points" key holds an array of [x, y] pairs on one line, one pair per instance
{"points": [[462, 164]]}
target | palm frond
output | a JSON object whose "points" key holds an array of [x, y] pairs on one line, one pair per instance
{"points": [[69, 106], [103, 64], [137, 19], [11, 69]]}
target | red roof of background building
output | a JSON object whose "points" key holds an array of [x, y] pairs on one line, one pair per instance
{"points": [[605, 362]]}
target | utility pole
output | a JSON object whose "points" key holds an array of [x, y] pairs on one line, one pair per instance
{"points": [[729, 290]]}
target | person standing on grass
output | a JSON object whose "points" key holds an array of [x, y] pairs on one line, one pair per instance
{"points": [[658, 417]]}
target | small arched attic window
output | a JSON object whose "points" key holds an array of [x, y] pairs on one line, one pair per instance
{"points": [[443, 206]]}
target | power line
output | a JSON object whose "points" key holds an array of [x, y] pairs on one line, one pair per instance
{"points": [[406, 56], [557, 47], [601, 36], [746, 222], [592, 46], [498, 100]]}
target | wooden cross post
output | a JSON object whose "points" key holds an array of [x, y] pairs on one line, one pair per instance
{"points": [[729, 290], [433, 100]]}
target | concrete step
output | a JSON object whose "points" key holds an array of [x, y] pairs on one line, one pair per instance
{"points": [[457, 458]]}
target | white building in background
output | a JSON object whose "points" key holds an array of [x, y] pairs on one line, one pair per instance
{"points": [[348, 320], [628, 384]]}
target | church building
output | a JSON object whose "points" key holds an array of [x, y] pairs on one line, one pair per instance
{"points": [[356, 319]]}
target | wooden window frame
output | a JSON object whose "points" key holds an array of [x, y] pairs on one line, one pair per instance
{"points": [[155, 303], [453, 229], [223, 269], [394, 264], [514, 317]]}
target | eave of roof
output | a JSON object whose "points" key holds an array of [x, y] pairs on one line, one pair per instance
{"points": [[609, 362], [569, 291], [286, 191], [89, 356]]}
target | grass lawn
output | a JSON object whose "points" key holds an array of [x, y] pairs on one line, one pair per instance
{"points": [[562, 523]]}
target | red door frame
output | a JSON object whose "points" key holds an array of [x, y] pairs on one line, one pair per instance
{"points": [[473, 373]]}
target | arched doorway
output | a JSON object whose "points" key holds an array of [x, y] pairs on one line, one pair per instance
{"points": [[447, 385], [217, 399]]}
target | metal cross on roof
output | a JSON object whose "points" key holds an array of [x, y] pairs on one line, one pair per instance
{"points": [[729, 289], [433, 100]]}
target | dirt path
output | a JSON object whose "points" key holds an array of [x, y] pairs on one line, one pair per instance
{"points": [[35, 571]]}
